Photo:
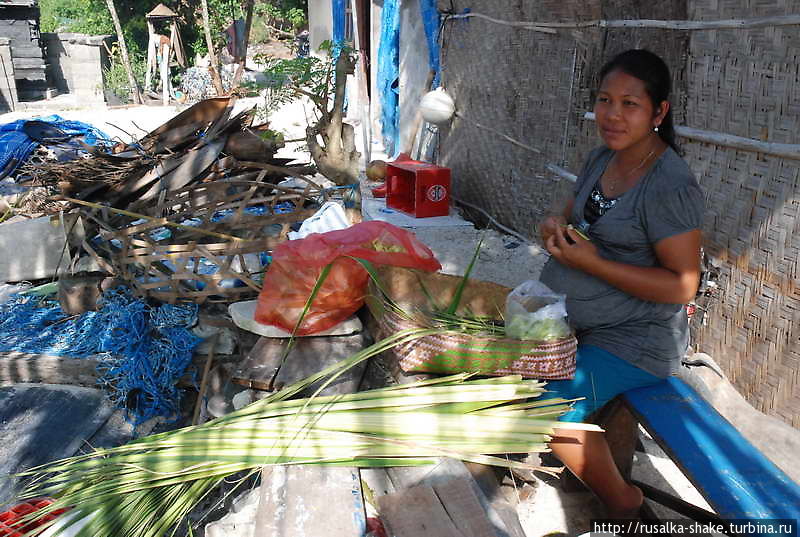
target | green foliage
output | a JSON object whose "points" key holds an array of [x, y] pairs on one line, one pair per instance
{"points": [[115, 78], [92, 17], [221, 14], [296, 17], [79, 16], [288, 79], [287, 15]]}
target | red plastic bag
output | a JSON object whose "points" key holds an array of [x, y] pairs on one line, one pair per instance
{"points": [[297, 264]]}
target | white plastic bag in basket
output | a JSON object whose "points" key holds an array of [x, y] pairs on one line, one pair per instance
{"points": [[534, 312]]}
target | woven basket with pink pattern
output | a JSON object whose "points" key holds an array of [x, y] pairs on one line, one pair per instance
{"points": [[456, 352]]}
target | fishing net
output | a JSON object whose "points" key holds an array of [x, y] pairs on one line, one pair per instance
{"points": [[143, 350]]}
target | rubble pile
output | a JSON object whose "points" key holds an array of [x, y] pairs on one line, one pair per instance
{"points": [[189, 213]]}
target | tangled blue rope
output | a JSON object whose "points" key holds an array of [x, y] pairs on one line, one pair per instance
{"points": [[143, 350]]}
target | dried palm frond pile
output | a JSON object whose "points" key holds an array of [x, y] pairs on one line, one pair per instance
{"points": [[202, 143], [190, 211]]}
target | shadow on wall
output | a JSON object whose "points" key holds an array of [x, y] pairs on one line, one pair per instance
{"points": [[57, 62], [75, 64]]}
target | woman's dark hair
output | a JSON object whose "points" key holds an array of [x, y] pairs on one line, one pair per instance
{"points": [[650, 69]]}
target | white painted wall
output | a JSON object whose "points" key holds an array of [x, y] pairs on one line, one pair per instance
{"points": [[414, 69], [320, 23]]}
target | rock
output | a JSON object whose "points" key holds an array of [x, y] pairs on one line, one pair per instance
{"points": [[79, 294], [240, 521]]}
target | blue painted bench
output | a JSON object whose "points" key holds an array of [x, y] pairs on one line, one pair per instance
{"points": [[734, 477]]}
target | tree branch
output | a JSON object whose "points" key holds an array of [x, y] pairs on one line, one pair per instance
{"points": [[211, 55]]}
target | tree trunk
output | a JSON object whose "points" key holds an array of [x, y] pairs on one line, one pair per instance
{"points": [[211, 54], [137, 96], [337, 159], [242, 59]]}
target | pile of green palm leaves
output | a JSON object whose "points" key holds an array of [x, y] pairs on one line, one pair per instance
{"points": [[147, 487]]}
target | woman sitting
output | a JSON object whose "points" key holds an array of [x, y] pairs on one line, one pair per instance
{"points": [[628, 262]]}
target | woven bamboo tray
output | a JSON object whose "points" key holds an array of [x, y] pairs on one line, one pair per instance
{"points": [[172, 269]]}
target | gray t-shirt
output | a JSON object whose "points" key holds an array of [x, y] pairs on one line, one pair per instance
{"points": [[667, 201]]}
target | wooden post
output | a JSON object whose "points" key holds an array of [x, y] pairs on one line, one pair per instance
{"points": [[211, 55], [165, 53], [152, 53], [137, 96], [242, 59], [361, 79]]}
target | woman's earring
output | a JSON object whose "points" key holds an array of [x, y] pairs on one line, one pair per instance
{"points": [[655, 129]]}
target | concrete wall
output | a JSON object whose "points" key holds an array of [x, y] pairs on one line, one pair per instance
{"points": [[8, 86], [320, 23], [76, 64]]}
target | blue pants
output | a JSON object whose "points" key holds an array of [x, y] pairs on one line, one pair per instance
{"points": [[600, 376]]}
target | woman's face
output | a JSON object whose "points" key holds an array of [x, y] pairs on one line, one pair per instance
{"points": [[624, 112]]}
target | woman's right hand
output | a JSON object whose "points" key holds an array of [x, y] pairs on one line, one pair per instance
{"points": [[550, 225]]}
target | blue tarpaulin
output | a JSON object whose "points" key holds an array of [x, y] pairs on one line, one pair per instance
{"points": [[389, 73], [16, 146], [338, 13], [430, 19], [389, 63]]}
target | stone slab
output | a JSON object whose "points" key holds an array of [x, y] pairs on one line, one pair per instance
{"points": [[32, 249], [40, 423], [308, 356], [310, 501]]}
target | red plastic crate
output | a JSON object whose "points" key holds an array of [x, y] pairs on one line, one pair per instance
{"points": [[11, 520], [418, 188]]}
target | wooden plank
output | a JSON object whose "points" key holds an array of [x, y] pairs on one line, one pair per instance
{"points": [[291, 496], [736, 479], [29, 51], [27, 63], [19, 367], [309, 355], [41, 423], [29, 74], [464, 508], [416, 512], [501, 514]]}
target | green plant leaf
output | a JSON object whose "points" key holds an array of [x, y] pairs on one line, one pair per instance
{"points": [[451, 309]]}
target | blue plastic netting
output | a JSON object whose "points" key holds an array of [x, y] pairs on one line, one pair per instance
{"points": [[143, 350], [389, 73]]}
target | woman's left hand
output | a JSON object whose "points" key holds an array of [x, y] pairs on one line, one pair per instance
{"points": [[572, 250]]}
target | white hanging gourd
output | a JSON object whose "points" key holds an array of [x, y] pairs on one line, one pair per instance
{"points": [[437, 107]]}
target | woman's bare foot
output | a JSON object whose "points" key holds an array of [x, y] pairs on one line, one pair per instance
{"points": [[628, 504]]}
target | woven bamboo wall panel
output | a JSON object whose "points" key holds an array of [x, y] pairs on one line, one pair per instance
{"points": [[753, 230], [517, 82], [747, 83]]}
